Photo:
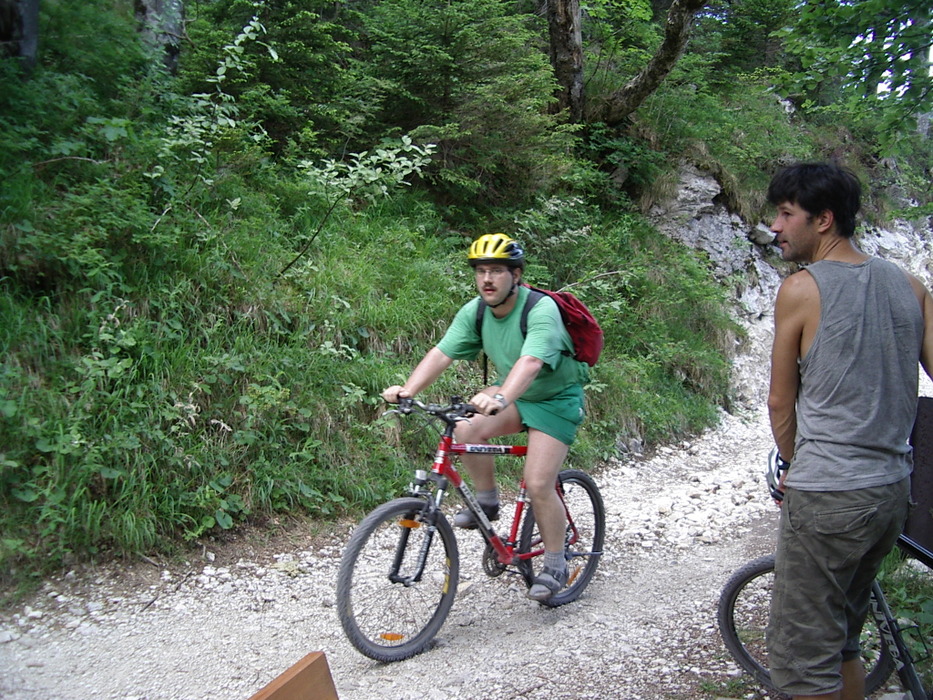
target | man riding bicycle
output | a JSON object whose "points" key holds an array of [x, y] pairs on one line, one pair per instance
{"points": [[542, 392]]}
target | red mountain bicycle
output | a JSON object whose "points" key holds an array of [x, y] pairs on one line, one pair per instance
{"points": [[399, 573]]}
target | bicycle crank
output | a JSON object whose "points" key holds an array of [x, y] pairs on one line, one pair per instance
{"points": [[491, 564]]}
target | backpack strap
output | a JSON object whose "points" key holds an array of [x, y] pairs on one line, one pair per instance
{"points": [[534, 296], [480, 310]]}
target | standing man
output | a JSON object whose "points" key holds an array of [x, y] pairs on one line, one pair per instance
{"points": [[848, 333], [542, 392]]}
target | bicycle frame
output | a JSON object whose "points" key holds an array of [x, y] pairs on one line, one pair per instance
{"points": [[891, 629], [443, 472]]}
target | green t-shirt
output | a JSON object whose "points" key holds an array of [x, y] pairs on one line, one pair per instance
{"points": [[502, 341]]}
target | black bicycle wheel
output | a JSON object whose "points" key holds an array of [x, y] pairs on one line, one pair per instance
{"points": [[744, 606], [397, 580], [586, 531]]}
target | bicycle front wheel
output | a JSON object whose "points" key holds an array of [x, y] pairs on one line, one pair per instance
{"points": [[397, 579], [744, 607], [583, 541]]}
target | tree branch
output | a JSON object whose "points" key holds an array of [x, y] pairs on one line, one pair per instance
{"points": [[630, 97]]}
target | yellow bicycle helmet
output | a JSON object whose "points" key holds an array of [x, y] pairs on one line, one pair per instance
{"points": [[496, 248]]}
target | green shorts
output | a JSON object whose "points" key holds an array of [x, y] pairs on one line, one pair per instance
{"points": [[559, 416], [830, 547]]}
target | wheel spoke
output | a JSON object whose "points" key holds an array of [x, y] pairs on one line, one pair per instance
{"points": [[397, 581], [583, 539]]}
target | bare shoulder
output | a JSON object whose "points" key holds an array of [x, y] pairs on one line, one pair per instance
{"points": [[919, 287], [797, 288]]}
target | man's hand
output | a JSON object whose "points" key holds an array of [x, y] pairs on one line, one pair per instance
{"points": [[393, 393], [486, 404], [776, 474], [780, 490]]}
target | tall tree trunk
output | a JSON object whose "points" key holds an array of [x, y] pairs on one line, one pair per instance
{"points": [[19, 30], [566, 50], [925, 60], [623, 102], [162, 23]]}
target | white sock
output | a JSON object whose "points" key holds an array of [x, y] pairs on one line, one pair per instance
{"points": [[488, 498], [555, 560]]}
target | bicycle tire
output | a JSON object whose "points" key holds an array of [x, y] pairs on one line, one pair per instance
{"points": [[585, 505], [392, 621], [744, 607]]}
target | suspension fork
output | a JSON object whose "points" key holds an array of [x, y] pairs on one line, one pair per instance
{"points": [[427, 516]]}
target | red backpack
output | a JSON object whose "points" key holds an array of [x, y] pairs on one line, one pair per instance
{"points": [[583, 328]]}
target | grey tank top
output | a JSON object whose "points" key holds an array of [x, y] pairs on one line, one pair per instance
{"points": [[858, 381]]}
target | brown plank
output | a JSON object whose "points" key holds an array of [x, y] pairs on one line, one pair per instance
{"points": [[309, 679]]}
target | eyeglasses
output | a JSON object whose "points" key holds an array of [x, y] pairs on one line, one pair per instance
{"points": [[491, 271]]}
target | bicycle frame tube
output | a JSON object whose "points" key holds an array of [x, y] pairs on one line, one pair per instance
{"points": [[443, 466], [891, 631], [916, 550], [574, 534]]}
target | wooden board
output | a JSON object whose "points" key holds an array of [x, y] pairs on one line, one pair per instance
{"points": [[309, 679]]}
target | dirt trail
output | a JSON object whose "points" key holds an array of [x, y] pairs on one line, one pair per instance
{"points": [[229, 621]]}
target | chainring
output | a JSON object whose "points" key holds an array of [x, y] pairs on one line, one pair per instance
{"points": [[491, 564]]}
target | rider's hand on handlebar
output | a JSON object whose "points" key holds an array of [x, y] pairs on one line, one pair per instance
{"points": [[393, 393], [486, 404]]}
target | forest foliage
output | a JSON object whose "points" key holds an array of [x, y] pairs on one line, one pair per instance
{"points": [[208, 274]]}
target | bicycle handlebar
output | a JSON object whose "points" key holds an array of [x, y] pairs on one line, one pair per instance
{"points": [[451, 413]]}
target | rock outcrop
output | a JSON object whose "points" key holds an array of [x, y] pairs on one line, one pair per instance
{"points": [[741, 254]]}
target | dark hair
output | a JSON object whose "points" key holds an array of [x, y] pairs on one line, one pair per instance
{"points": [[817, 187]]}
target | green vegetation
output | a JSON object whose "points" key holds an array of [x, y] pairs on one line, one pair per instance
{"points": [[907, 584], [206, 278]]}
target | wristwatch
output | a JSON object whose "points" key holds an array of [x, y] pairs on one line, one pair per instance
{"points": [[501, 399]]}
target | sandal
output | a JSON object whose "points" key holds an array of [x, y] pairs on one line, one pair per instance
{"points": [[547, 583]]}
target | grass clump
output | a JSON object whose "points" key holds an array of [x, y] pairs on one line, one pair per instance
{"points": [[908, 588]]}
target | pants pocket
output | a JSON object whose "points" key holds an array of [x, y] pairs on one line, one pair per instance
{"points": [[845, 520]]}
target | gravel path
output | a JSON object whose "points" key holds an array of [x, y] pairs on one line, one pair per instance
{"points": [[228, 621]]}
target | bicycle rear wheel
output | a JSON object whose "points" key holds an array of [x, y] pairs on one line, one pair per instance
{"points": [[397, 579], [583, 546], [744, 606]]}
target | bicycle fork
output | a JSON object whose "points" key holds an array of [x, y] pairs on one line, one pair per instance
{"points": [[428, 514]]}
